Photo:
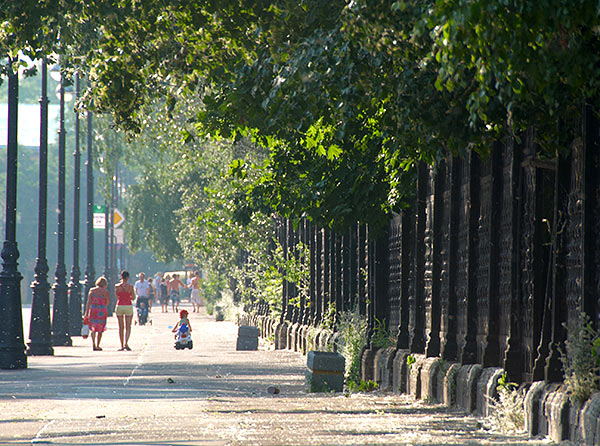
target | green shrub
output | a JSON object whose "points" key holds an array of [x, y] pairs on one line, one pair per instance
{"points": [[352, 329], [507, 413], [581, 362], [362, 386], [382, 337]]}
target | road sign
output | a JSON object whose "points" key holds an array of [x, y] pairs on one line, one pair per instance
{"points": [[118, 218], [119, 236], [99, 220]]}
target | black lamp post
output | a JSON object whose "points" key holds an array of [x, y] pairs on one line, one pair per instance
{"points": [[40, 335], [107, 271], [89, 222], [12, 346], [75, 313], [112, 238], [60, 313]]}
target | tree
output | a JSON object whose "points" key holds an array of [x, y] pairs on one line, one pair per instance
{"points": [[347, 96]]}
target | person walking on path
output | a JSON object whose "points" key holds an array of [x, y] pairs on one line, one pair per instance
{"points": [[96, 311], [174, 284], [164, 294], [125, 298], [196, 296], [143, 289], [156, 285]]}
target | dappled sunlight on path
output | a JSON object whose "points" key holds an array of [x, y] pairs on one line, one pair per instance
{"points": [[211, 395]]}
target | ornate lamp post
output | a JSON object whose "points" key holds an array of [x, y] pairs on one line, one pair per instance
{"points": [[60, 313], [75, 315], [107, 265], [40, 335], [12, 347], [89, 222]]}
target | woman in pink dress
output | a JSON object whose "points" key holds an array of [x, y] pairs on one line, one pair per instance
{"points": [[96, 311]]}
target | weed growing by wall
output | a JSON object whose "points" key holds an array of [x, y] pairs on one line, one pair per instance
{"points": [[352, 329], [382, 337], [507, 413], [581, 361]]}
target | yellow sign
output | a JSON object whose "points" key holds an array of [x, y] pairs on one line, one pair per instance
{"points": [[118, 218]]}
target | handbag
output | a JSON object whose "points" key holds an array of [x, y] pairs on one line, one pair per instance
{"points": [[85, 328]]}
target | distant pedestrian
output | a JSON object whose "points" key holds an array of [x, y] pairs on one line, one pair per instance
{"points": [[143, 290], [125, 298], [96, 310], [174, 284], [196, 295], [164, 294], [156, 285]]}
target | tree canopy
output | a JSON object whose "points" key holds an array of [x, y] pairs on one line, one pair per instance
{"points": [[347, 96]]}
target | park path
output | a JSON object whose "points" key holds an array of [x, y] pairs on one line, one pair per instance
{"points": [[211, 395]]}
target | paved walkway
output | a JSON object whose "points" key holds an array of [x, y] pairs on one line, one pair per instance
{"points": [[211, 395]]}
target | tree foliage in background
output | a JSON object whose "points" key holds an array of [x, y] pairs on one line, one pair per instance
{"points": [[346, 96], [182, 204]]}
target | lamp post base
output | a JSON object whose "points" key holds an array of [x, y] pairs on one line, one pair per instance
{"points": [[11, 359], [39, 349]]}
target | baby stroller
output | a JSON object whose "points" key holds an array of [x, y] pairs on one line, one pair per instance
{"points": [[142, 310], [183, 337]]}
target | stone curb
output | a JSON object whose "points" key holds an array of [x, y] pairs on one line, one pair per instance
{"points": [[384, 368], [532, 407], [487, 389], [429, 379], [556, 410], [399, 371], [590, 421], [466, 386], [548, 411], [414, 376]]}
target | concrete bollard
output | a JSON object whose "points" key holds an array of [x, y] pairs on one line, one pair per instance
{"points": [[325, 372], [247, 338]]}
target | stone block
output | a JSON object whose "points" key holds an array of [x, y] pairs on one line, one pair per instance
{"points": [[548, 390], [466, 386], [556, 410], [532, 407], [590, 421], [326, 361], [280, 335], [302, 339], [325, 372], [449, 388], [368, 365], [292, 335], [486, 389], [325, 340], [246, 344], [383, 367], [575, 422], [400, 371], [247, 338], [414, 376], [429, 381], [247, 331]]}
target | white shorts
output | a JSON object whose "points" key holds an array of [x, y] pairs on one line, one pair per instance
{"points": [[196, 298]]}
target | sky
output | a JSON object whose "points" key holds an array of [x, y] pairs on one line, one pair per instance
{"points": [[29, 125]]}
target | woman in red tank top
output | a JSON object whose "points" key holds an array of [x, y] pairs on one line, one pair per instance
{"points": [[124, 310]]}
